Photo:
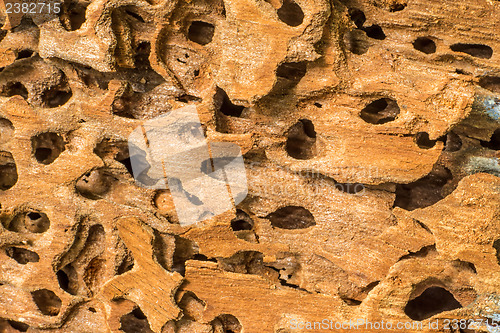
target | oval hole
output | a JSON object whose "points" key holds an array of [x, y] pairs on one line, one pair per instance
{"points": [[201, 32], [242, 221], [22, 256], [425, 45], [375, 32], [381, 111], [291, 13], [14, 89], [301, 140], [47, 302], [475, 50], [423, 141], [491, 83], [8, 171], [292, 217], [47, 147], [6, 130]]}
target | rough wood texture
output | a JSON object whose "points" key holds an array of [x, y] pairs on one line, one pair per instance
{"points": [[370, 131]]}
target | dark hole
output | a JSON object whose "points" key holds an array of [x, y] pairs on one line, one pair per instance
{"points": [[135, 15], [230, 324], [491, 83], [475, 50], [380, 111], [318, 105], [56, 96], [22, 256], [494, 143], [396, 7], [423, 141], [243, 221], [47, 147], [432, 301], [496, 246], [293, 71], [34, 216], [291, 13], [21, 327], [138, 314], [135, 322], [8, 171], [24, 54], [63, 280], [358, 17], [227, 107], [42, 154], [424, 44], [36, 222], [13, 89], [128, 165], [94, 184], [74, 17], [453, 142], [93, 310], [291, 217], [301, 140], [425, 191], [351, 301], [201, 32], [127, 263], [47, 302], [375, 32], [188, 99]]}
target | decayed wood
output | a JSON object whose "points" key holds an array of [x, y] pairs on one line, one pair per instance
{"points": [[370, 135]]}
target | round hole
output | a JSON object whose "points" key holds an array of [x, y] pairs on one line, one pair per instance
{"points": [[425, 45]]}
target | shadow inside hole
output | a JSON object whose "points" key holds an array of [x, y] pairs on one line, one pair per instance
{"points": [[127, 262], [356, 41], [494, 143], [56, 96], [94, 184], [228, 323], [227, 107], [21, 327], [358, 17], [424, 192], [6, 130], [425, 45], [8, 171], [496, 246], [22, 256], [47, 302], [135, 322], [423, 141], [397, 6], [24, 54], [475, 50], [381, 111], [491, 83], [292, 71], [32, 222], [432, 301], [291, 13], [242, 221], [301, 141], [68, 279], [14, 89], [201, 32], [453, 142], [73, 16], [292, 217], [375, 32], [47, 147]]}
